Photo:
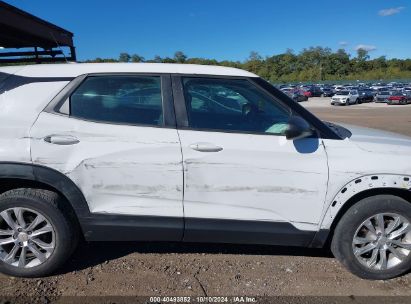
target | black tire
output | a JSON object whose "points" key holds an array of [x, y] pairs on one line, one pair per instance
{"points": [[347, 103], [341, 245], [48, 204]]}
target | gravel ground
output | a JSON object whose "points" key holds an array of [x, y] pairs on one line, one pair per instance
{"points": [[170, 269]]}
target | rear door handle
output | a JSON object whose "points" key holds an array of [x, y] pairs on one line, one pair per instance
{"points": [[205, 147], [63, 140]]}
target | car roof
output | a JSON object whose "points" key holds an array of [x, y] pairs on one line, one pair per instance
{"points": [[77, 69]]}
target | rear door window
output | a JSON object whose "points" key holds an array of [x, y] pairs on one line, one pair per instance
{"points": [[135, 100]]}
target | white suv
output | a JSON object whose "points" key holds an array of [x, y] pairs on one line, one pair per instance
{"points": [[156, 152], [346, 97]]}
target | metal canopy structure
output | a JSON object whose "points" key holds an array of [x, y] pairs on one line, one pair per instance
{"points": [[19, 29]]}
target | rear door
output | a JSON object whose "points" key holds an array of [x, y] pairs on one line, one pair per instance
{"points": [[115, 137]]}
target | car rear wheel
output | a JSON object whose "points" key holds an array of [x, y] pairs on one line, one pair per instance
{"points": [[373, 238], [35, 236]]}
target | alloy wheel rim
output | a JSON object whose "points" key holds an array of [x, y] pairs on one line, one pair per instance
{"points": [[382, 241], [27, 238]]}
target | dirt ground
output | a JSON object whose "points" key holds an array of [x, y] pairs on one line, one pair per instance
{"points": [[170, 269]]}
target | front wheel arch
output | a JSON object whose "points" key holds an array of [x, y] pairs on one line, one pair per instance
{"points": [[402, 193]]}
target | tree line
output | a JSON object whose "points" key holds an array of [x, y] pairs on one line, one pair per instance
{"points": [[311, 64]]}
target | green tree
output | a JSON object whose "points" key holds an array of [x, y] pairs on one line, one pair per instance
{"points": [[137, 58], [311, 64], [124, 57], [180, 57], [362, 54], [157, 59]]}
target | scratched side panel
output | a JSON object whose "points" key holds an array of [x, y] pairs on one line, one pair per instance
{"points": [[120, 169], [255, 177]]}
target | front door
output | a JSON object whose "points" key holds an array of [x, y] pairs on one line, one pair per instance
{"points": [[244, 181]]}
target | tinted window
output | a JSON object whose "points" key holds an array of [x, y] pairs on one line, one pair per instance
{"points": [[119, 99], [233, 105]]}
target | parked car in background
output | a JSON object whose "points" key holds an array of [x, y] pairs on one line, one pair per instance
{"points": [[315, 91], [298, 96], [399, 98], [338, 88], [365, 95], [306, 92], [286, 90], [345, 98], [382, 96], [328, 92]]}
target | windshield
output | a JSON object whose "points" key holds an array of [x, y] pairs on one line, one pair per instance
{"points": [[343, 93]]}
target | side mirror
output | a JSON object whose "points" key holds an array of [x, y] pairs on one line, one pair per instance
{"points": [[297, 128]]}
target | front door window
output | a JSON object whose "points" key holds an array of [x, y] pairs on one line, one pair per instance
{"points": [[233, 105]]}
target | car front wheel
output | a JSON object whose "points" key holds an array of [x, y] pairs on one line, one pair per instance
{"points": [[373, 238], [35, 236]]}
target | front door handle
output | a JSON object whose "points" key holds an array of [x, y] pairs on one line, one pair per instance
{"points": [[205, 147], [63, 140]]}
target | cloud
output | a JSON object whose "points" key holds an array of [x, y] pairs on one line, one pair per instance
{"points": [[390, 11], [343, 43], [366, 47]]}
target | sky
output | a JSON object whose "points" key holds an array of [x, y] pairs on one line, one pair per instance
{"points": [[228, 29]]}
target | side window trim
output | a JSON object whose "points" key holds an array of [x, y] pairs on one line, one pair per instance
{"points": [[60, 104], [179, 102], [57, 104]]}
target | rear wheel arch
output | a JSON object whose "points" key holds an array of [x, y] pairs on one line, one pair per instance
{"points": [[19, 175]]}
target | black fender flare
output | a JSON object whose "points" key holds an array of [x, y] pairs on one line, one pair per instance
{"points": [[51, 178]]}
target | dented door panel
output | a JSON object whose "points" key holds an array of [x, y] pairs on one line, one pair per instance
{"points": [[254, 177], [121, 169]]}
